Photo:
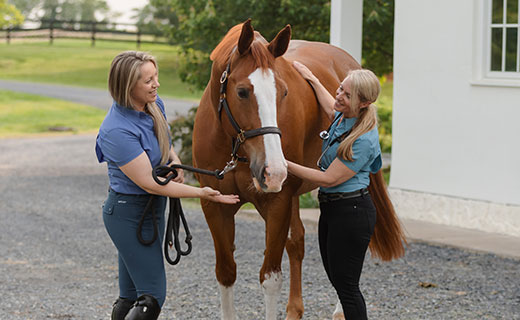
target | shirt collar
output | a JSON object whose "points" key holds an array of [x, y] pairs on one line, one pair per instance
{"points": [[128, 112]]}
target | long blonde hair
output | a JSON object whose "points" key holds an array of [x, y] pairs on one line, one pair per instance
{"points": [[124, 73], [364, 87]]}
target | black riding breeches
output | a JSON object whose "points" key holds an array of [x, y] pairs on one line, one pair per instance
{"points": [[344, 232]]}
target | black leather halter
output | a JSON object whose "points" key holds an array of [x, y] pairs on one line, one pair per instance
{"points": [[241, 134]]}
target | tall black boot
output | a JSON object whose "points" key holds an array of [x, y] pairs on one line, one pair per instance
{"points": [[145, 308], [121, 307]]}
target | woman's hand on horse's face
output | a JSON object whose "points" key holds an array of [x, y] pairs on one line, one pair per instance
{"points": [[215, 195]]}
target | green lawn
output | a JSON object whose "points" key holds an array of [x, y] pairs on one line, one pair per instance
{"points": [[25, 114], [76, 62]]}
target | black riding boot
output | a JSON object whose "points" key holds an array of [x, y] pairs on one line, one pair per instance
{"points": [[121, 307], [145, 308]]}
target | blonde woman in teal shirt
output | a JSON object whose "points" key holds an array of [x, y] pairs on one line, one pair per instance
{"points": [[350, 152]]}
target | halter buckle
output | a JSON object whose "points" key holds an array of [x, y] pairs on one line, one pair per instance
{"points": [[241, 136], [223, 77]]}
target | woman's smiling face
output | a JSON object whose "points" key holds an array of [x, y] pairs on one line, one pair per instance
{"points": [[145, 90], [342, 103]]}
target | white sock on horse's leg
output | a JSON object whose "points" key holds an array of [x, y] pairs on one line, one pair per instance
{"points": [[227, 303], [272, 286], [338, 312]]}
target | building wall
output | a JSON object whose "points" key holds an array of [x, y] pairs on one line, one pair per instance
{"points": [[450, 136]]}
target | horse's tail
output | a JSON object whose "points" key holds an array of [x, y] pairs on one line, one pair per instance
{"points": [[388, 240]]}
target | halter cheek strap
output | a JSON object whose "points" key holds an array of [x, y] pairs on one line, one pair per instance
{"points": [[241, 134]]}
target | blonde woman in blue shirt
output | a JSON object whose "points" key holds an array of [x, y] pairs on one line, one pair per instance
{"points": [[350, 153], [134, 138]]}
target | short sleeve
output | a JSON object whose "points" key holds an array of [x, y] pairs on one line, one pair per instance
{"points": [[362, 153], [118, 146], [376, 164]]}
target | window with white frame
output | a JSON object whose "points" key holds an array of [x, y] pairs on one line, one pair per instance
{"points": [[503, 39]]}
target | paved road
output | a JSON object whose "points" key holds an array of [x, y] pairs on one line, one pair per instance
{"points": [[57, 262], [89, 96]]}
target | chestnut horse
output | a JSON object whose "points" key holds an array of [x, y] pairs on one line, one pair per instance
{"points": [[257, 107]]}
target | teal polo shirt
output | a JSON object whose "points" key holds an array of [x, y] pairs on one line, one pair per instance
{"points": [[366, 158]]}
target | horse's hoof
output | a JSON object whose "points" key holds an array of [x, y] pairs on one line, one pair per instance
{"points": [[338, 316]]}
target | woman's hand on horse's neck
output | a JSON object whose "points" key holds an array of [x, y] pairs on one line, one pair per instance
{"points": [[325, 99]]}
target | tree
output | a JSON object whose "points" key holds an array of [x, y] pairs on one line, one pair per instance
{"points": [[85, 10], [25, 6], [9, 15], [198, 25], [378, 35], [149, 20]]}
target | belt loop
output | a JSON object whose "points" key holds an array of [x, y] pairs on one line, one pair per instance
{"points": [[363, 193]]}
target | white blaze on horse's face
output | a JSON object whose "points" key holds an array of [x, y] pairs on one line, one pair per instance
{"points": [[275, 171]]}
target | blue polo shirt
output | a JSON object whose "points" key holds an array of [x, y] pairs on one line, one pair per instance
{"points": [[125, 134], [366, 158]]}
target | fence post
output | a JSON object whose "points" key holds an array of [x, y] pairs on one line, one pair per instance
{"points": [[51, 32], [93, 34], [138, 38], [8, 36]]}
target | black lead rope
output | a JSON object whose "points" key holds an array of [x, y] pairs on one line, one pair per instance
{"points": [[149, 207], [175, 216]]}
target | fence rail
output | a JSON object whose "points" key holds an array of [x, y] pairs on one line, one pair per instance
{"points": [[72, 29]]}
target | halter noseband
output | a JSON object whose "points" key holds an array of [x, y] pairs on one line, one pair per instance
{"points": [[241, 134]]}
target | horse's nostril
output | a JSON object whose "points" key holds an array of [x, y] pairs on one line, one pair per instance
{"points": [[263, 174]]}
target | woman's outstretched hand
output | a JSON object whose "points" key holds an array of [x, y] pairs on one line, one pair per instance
{"points": [[215, 195]]}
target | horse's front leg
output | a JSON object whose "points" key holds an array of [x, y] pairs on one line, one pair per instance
{"points": [[221, 222], [277, 216], [295, 250]]}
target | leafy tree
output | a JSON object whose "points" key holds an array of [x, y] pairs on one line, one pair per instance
{"points": [[198, 25], [85, 10], [378, 35], [25, 6], [9, 15], [149, 19]]}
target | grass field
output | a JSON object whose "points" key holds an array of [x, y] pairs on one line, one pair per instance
{"points": [[26, 114], [76, 62]]}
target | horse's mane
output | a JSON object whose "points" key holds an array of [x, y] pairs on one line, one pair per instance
{"points": [[261, 56]]}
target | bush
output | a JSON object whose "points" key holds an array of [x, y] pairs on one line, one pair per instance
{"points": [[181, 132]]}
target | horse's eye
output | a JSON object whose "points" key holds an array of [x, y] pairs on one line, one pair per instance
{"points": [[285, 93], [243, 93]]}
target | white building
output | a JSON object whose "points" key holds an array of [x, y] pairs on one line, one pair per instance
{"points": [[456, 110]]}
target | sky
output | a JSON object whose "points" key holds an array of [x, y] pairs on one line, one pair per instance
{"points": [[125, 7]]}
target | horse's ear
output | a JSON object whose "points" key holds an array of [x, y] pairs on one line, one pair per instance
{"points": [[246, 37], [281, 42]]}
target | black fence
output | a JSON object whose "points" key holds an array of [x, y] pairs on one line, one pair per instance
{"points": [[71, 29]]}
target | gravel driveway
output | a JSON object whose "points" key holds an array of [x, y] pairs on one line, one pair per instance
{"points": [[57, 261]]}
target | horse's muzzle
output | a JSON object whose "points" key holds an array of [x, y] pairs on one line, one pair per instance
{"points": [[269, 178]]}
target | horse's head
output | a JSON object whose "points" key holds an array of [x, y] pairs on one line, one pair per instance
{"points": [[254, 92]]}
